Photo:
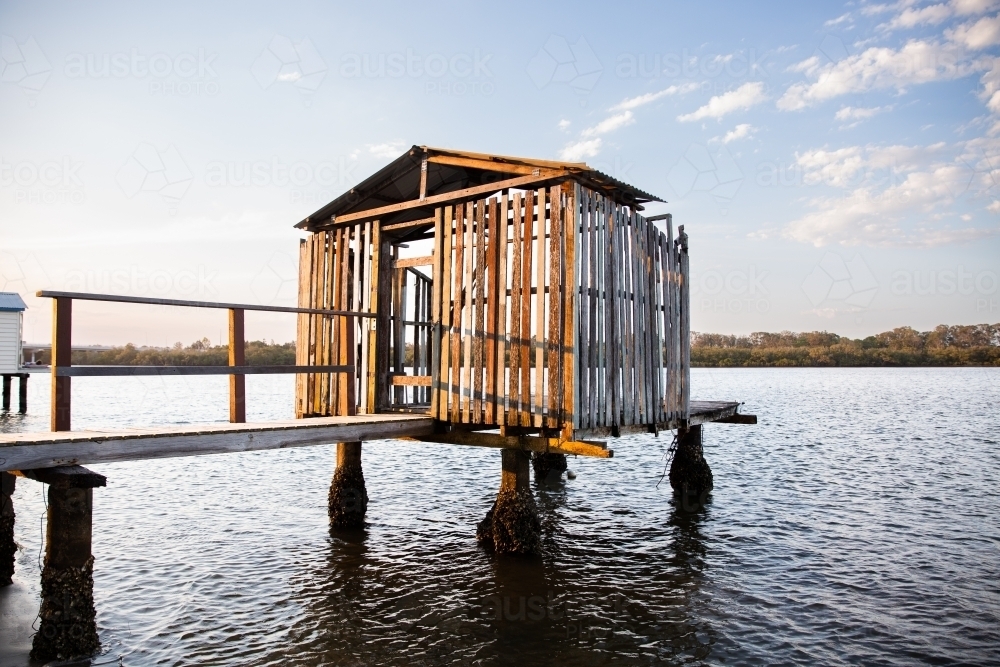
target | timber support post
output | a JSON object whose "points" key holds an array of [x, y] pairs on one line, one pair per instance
{"points": [[690, 474], [348, 499], [22, 394], [67, 618], [511, 526], [8, 548]]}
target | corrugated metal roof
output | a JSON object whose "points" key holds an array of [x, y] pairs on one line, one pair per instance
{"points": [[11, 301], [399, 181]]}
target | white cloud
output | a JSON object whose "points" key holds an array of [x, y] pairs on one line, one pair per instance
{"points": [[609, 124], [891, 195], [911, 16], [640, 100], [578, 150], [857, 113], [390, 149], [929, 15], [741, 131], [975, 36], [991, 87], [564, 124], [744, 97], [843, 18], [876, 68]]}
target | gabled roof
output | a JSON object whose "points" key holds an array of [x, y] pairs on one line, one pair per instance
{"points": [[450, 171], [11, 301]]}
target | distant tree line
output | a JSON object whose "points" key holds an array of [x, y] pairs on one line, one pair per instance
{"points": [[198, 353], [973, 345]]}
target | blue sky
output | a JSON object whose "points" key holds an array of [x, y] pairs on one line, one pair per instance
{"points": [[834, 164]]}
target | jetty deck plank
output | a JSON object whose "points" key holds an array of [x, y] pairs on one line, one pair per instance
{"points": [[63, 448]]}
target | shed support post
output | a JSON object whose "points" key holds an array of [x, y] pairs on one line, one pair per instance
{"points": [[67, 618], [348, 499], [511, 526], [8, 549], [690, 475], [22, 394], [6, 393]]}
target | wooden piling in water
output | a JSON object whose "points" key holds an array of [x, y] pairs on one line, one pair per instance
{"points": [[8, 549], [511, 526], [348, 498], [690, 474], [67, 627]]}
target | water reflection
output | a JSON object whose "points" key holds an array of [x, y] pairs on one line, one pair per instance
{"points": [[624, 599]]}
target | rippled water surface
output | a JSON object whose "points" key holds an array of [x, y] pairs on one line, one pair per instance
{"points": [[857, 523]]}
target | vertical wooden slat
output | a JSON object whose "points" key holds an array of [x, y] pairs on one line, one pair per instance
{"points": [[664, 329], [302, 333], [638, 319], [674, 325], [344, 324], [516, 343], [595, 286], [318, 284], [478, 366], [605, 289], [649, 315], [528, 218], [570, 225], [441, 312], [500, 390], [365, 307], [538, 404], [685, 332], [638, 314], [62, 350], [470, 250], [586, 285], [492, 297], [357, 295], [555, 322], [458, 296], [323, 288], [628, 347], [615, 319]]}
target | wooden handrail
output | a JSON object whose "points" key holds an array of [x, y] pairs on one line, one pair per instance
{"points": [[237, 370], [114, 298]]}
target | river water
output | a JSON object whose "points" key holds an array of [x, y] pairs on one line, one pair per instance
{"points": [[857, 523]]}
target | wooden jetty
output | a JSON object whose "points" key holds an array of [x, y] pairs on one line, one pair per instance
{"points": [[548, 315]]}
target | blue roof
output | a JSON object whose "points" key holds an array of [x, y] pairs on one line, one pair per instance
{"points": [[11, 301]]}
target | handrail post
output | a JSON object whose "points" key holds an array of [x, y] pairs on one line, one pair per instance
{"points": [[62, 333], [237, 357]]}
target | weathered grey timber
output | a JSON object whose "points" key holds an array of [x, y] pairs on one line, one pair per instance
{"points": [[42, 450]]}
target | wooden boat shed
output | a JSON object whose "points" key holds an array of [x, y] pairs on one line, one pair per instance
{"points": [[547, 305]]}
